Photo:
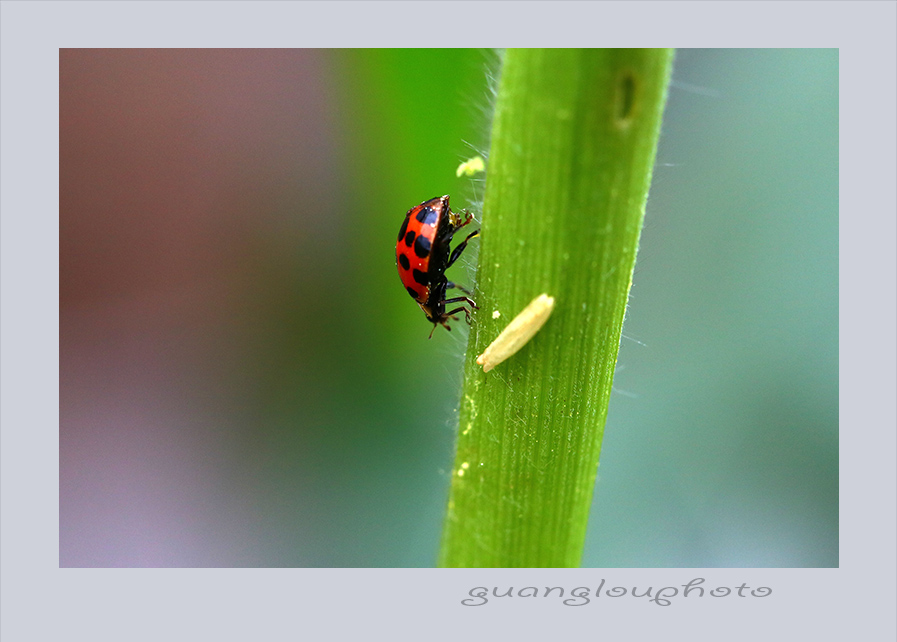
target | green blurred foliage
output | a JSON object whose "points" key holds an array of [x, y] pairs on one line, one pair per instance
{"points": [[363, 401]]}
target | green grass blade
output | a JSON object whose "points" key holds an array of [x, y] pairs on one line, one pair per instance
{"points": [[573, 145]]}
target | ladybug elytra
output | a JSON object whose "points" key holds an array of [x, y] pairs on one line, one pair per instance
{"points": [[423, 255]]}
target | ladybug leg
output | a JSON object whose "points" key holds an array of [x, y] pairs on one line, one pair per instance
{"points": [[466, 312], [459, 287], [457, 251], [461, 298]]}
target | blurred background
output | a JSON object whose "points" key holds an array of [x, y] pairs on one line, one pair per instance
{"points": [[245, 382]]}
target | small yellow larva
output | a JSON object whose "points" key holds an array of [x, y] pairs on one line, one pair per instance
{"points": [[518, 332], [470, 167]]}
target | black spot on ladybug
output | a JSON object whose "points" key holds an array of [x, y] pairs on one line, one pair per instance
{"points": [[409, 238], [404, 228], [427, 216], [422, 246], [403, 261], [421, 277], [412, 292]]}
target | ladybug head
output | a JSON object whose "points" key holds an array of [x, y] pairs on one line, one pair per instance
{"points": [[442, 322], [436, 316]]}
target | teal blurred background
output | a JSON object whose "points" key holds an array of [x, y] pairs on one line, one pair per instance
{"points": [[244, 381]]}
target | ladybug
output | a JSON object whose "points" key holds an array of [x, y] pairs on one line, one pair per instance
{"points": [[423, 256]]}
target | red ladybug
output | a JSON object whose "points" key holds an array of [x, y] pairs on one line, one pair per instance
{"points": [[423, 256]]}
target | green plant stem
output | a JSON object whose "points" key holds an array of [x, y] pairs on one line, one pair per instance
{"points": [[573, 145]]}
